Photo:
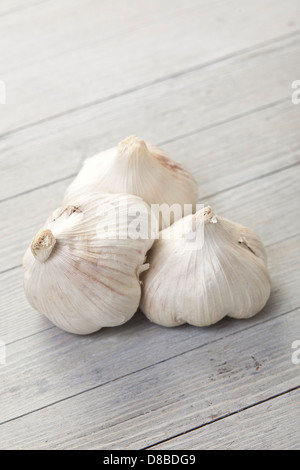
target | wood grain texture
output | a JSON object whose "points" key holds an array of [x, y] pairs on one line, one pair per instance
{"points": [[97, 68], [55, 365], [209, 81], [273, 425], [148, 406], [63, 27], [175, 110]]}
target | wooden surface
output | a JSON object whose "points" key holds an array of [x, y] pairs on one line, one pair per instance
{"points": [[209, 81]]}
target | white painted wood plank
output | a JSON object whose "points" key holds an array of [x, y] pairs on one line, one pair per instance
{"points": [[171, 397], [228, 154], [55, 82], [273, 425], [268, 205], [170, 394], [241, 150], [59, 365], [17, 318], [62, 26], [259, 204]]}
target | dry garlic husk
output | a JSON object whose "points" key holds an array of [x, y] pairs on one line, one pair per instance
{"points": [[82, 270], [142, 169], [227, 276]]}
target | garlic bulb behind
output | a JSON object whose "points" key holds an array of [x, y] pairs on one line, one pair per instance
{"points": [[227, 276], [82, 269], [138, 168]]}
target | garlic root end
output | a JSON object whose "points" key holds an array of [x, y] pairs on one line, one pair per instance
{"points": [[42, 245]]}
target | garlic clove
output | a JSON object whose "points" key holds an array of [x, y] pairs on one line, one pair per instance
{"points": [[142, 169], [82, 269], [222, 272]]}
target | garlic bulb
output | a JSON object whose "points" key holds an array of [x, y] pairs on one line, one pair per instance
{"points": [[190, 283], [142, 169], [82, 269]]}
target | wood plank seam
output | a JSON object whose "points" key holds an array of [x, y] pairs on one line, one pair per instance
{"points": [[115, 415], [273, 397], [9, 343], [28, 191], [183, 136], [113, 96], [146, 367], [239, 185], [222, 122]]}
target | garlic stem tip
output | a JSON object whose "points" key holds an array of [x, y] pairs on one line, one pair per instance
{"points": [[205, 215], [132, 144]]}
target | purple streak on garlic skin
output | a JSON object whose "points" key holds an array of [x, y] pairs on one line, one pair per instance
{"points": [[77, 273], [139, 168]]}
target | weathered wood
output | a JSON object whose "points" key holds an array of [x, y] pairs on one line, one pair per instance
{"points": [[273, 425], [62, 27], [59, 365], [69, 68], [18, 319], [168, 111], [214, 93], [171, 397], [260, 205]]}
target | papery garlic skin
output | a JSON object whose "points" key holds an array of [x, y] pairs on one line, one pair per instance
{"points": [[138, 168], [77, 273], [228, 276]]}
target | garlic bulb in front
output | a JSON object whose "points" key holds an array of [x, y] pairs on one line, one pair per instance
{"points": [[200, 279], [142, 169], [82, 269]]}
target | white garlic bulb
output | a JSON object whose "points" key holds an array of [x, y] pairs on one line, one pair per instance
{"points": [[142, 169], [187, 283], [82, 269]]}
